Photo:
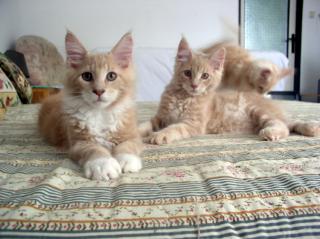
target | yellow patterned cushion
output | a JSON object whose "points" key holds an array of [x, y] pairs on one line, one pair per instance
{"points": [[17, 78], [8, 94]]}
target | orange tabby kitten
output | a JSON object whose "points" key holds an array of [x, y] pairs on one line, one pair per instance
{"points": [[94, 116], [191, 106], [243, 73]]}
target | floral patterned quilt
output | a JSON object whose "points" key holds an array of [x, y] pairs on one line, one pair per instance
{"points": [[213, 186]]}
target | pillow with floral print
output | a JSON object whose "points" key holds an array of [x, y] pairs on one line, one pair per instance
{"points": [[8, 94], [17, 78]]}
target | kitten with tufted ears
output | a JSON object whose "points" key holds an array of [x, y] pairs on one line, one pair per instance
{"points": [[191, 105], [243, 73], [94, 117]]}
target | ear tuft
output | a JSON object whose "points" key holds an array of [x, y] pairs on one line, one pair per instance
{"points": [[75, 50], [286, 72], [217, 58], [184, 53], [122, 51]]}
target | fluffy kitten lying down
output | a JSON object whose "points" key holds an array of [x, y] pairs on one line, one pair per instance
{"points": [[94, 117], [191, 105], [242, 72]]}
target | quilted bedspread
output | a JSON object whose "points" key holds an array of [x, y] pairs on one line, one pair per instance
{"points": [[213, 186]]}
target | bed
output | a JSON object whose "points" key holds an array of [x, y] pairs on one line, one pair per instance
{"points": [[213, 186]]}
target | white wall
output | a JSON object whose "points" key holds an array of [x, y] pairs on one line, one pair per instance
{"points": [[6, 25], [310, 50], [100, 23]]}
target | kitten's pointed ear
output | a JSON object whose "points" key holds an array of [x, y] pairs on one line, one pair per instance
{"points": [[75, 50], [286, 72], [122, 52], [217, 58], [184, 53]]}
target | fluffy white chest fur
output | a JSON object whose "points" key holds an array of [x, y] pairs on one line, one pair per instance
{"points": [[100, 122]]}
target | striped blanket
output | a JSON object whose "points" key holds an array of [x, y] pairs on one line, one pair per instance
{"points": [[213, 186]]}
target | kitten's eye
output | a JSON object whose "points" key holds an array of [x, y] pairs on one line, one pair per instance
{"points": [[87, 76], [111, 76], [205, 76], [187, 73]]}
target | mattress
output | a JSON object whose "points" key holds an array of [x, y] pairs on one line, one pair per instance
{"points": [[212, 186]]}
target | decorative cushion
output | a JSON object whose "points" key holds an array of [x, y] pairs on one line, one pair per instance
{"points": [[18, 59], [8, 94], [17, 78], [45, 64]]}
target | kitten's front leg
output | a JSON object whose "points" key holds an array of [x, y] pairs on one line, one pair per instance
{"points": [[269, 121], [274, 130], [311, 128], [155, 124], [96, 160], [127, 153], [172, 133]]}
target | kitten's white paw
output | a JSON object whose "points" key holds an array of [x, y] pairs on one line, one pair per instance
{"points": [[129, 162], [103, 168], [273, 133]]}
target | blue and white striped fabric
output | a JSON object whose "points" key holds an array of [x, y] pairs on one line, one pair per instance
{"points": [[213, 186]]}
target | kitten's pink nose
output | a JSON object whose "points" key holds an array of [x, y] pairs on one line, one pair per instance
{"points": [[194, 86], [98, 92]]}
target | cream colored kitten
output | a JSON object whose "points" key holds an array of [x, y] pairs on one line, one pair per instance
{"points": [[243, 73], [94, 116], [191, 106]]}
